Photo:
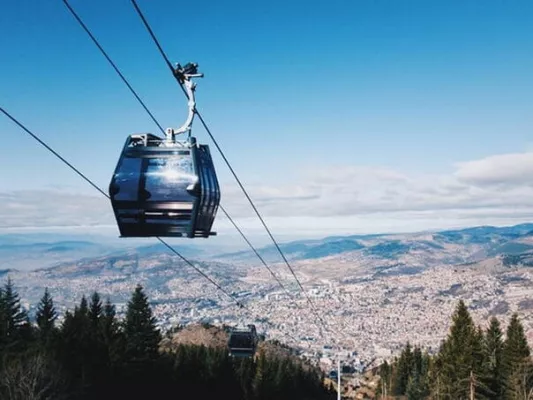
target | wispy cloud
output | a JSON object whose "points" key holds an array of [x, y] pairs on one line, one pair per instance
{"points": [[53, 208], [351, 191], [495, 189], [505, 169]]}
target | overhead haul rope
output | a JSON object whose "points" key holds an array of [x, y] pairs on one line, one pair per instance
{"points": [[77, 171], [117, 70], [169, 64], [101, 191], [204, 124]]}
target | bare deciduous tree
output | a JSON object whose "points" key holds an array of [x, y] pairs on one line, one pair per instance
{"points": [[30, 378], [521, 386]]}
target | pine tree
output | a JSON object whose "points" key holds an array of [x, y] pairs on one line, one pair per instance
{"points": [[425, 375], [457, 354], [14, 319], [385, 374], [110, 329], [436, 376], [413, 390], [516, 357], [113, 338], [403, 371], [16, 316], [493, 347], [479, 374], [141, 334], [3, 319], [82, 326], [46, 316], [83, 309], [478, 352], [108, 319], [97, 365], [95, 311], [76, 349], [417, 361]]}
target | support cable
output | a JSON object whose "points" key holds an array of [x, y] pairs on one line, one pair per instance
{"points": [[112, 64], [77, 171], [169, 247], [169, 64], [117, 70]]}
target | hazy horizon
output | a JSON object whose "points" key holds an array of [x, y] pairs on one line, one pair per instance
{"points": [[231, 239], [419, 118]]}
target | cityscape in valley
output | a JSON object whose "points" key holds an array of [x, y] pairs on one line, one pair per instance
{"points": [[266, 200], [374, 293]]}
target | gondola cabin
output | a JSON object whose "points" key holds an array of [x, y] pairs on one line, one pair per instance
{"points": [[243, 342], [164, 188]]}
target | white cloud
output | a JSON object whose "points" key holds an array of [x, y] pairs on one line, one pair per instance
{"points": [[352, 191], [504, 169], [332, 199], [53, 208]]}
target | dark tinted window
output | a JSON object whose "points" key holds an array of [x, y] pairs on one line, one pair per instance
{"points": [[167, 179], [127, 179], [240, 340]]}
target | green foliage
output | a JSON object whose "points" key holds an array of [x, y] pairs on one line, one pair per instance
{"points": [[414, 389], [461, 354], [404, 370], [93, 355], [493, 347], [15, 326], [46, 313], [141, 334], [385, 373], [45, 317], [470, 364], [95, 312], [516, 360], [408, 375]]}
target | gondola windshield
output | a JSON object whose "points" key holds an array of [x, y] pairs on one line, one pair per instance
{"points": [[243, 342], [169, 179]]}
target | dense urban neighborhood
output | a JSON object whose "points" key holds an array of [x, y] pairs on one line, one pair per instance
{"points": [[370, 305]]}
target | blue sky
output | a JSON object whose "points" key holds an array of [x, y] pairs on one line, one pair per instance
{"points": [[300, 94]]}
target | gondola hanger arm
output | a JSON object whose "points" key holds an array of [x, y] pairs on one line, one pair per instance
{"points": [[185, 75]]}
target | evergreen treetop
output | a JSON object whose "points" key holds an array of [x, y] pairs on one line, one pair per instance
{"points": [[493, 348], [46, 315], [95, 310], [13, 316], [140, 329]]}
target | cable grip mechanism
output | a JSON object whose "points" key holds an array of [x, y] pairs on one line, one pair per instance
{"points": [[184, 75]]}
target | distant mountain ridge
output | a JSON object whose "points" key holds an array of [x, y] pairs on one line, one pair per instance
{"points": [[27, 255], [34, 251], [489, 265], [482, 241], [66, 245]]}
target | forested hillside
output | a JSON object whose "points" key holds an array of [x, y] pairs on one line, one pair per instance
{"points": [[94, 355], [472, 363]]}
